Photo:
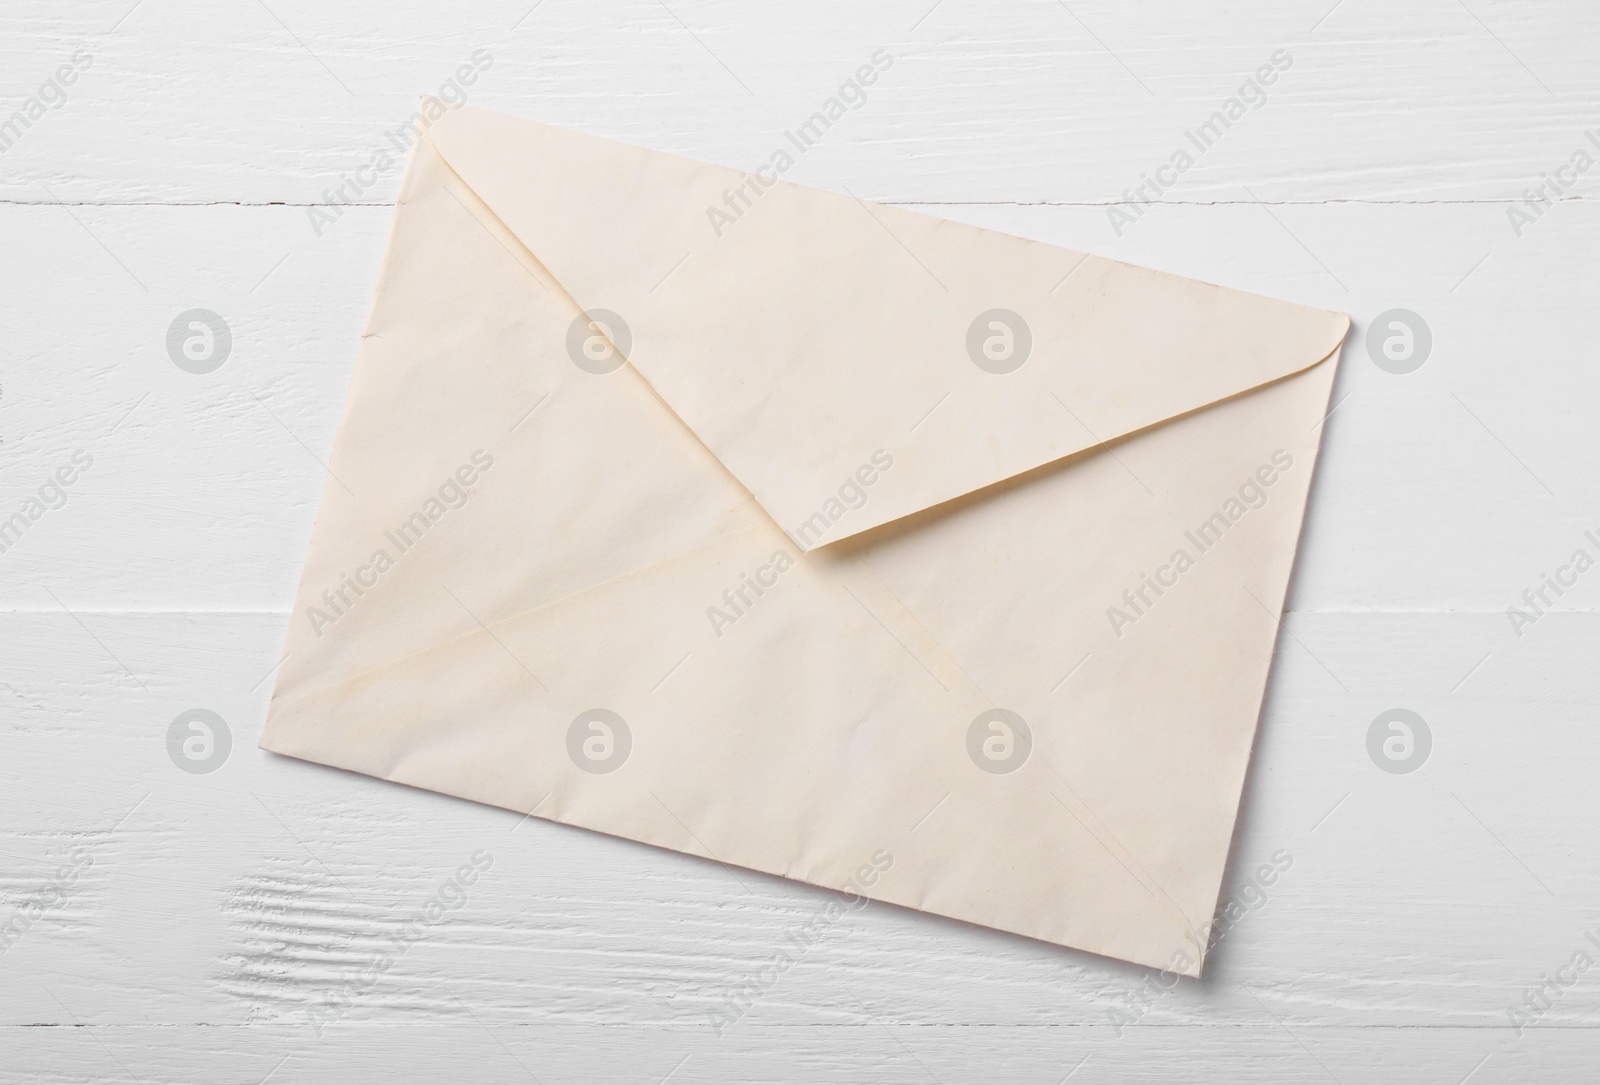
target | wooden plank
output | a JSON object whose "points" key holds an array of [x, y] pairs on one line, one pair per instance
{"points": [[256, 893], [208, 483], [1029, 103]]}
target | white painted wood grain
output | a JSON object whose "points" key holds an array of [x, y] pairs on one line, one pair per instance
{"points": [[224, 908], [1027, 101], [1450, 488]]}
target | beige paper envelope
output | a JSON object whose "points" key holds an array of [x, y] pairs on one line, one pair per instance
{"points": [[812, 536]]}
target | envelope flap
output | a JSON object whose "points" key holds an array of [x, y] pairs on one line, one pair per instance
{"points": [[853, 363]]}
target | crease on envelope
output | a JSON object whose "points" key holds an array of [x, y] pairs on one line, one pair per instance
{"points": [[828, 722]]}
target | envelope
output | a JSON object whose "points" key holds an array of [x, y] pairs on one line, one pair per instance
{"points": [[809, 536]]}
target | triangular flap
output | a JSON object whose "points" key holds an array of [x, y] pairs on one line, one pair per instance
{"points": [[810, 338], [421, 535]]}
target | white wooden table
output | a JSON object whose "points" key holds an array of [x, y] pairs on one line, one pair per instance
{"points": [[190, 923]]}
